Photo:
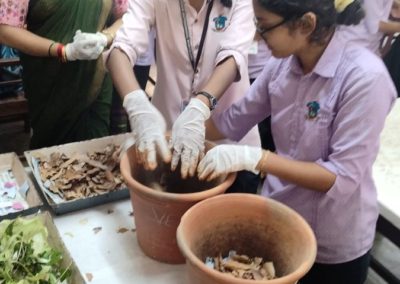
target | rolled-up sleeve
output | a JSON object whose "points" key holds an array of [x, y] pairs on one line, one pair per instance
{"points": [[375, 12], [133, 36], [359, 121], [247, 112], [240, 34]]}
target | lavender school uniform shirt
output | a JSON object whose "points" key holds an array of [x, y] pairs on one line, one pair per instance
{"points": [[332, 116], [230, 33]]}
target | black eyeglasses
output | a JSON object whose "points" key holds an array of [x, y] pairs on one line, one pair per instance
{"points": [[262, 31]]}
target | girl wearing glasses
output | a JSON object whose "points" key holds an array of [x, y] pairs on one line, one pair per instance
{"points": [[328, 100], [201, 49]]}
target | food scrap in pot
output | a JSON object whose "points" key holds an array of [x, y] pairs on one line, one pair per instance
{"points": [[243, 266]]}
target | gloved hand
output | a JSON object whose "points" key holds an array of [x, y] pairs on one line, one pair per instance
{"points": [[188, 135], [86, 46], [148, 128], [224, 159]]}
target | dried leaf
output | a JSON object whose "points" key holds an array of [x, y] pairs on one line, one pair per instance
{"points": [[89, 276], [93, 171], [81, 175], [122, 230], [83, 221], [270, 269], [97, 229], [241, 258], [234, 265], [71, 194], [54, 188], [94, 163], [244, 267], [67, 163], [109, 176], [108, 186], [69, 234]]}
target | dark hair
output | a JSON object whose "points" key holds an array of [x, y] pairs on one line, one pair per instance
{"points": [[327, 16], [352, 15], [226, 3]]}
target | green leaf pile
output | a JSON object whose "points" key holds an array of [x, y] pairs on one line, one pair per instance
{"points": [[25, 255]]}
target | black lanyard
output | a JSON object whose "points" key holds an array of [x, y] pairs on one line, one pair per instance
{"points": [[187, 35]]}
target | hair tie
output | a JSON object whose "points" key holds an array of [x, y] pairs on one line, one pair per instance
{"points": [[341, 5]]}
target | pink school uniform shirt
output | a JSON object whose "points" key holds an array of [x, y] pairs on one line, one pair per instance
{"points": [[176, 80], [367, 32], [332, 116], [13, 12]]}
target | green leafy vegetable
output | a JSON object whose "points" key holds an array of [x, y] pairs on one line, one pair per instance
{"points": [[25, 255]]}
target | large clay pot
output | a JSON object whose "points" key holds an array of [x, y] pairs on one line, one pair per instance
{"points": [[250, 225], [158, 213]]}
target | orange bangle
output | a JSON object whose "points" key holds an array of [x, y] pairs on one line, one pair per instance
{"points": [[64, 55], [60, 49]]}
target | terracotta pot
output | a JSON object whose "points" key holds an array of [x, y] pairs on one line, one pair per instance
{"points": [[250, 225], [158, 213]]}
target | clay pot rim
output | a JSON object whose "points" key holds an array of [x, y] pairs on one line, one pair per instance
{"points": [[195, 261], [137, 187]]}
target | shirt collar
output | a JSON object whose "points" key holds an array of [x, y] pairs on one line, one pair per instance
{"points": [[329, 61]]}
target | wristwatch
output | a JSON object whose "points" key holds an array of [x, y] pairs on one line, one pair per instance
{"points": [[211, 99]]}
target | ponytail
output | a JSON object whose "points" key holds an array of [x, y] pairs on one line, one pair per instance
{"points": [[352, 14]]}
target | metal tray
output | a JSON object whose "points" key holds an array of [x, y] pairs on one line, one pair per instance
{"points": [[78, 147]]}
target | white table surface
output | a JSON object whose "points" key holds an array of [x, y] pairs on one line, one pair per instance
{"points": [[386, 169], [109, 256]]}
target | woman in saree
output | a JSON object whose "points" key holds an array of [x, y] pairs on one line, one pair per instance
{"points": [[68, 91]]}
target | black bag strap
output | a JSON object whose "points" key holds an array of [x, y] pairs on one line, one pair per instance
{"points": [[187, 35]]}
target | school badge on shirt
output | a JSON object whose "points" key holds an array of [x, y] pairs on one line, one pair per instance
{"points": [[313, 110], [219, 23]]}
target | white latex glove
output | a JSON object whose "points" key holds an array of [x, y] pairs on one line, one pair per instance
{"points": [[148, 128], [224, 159], [188, 136], [86, 46]]}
